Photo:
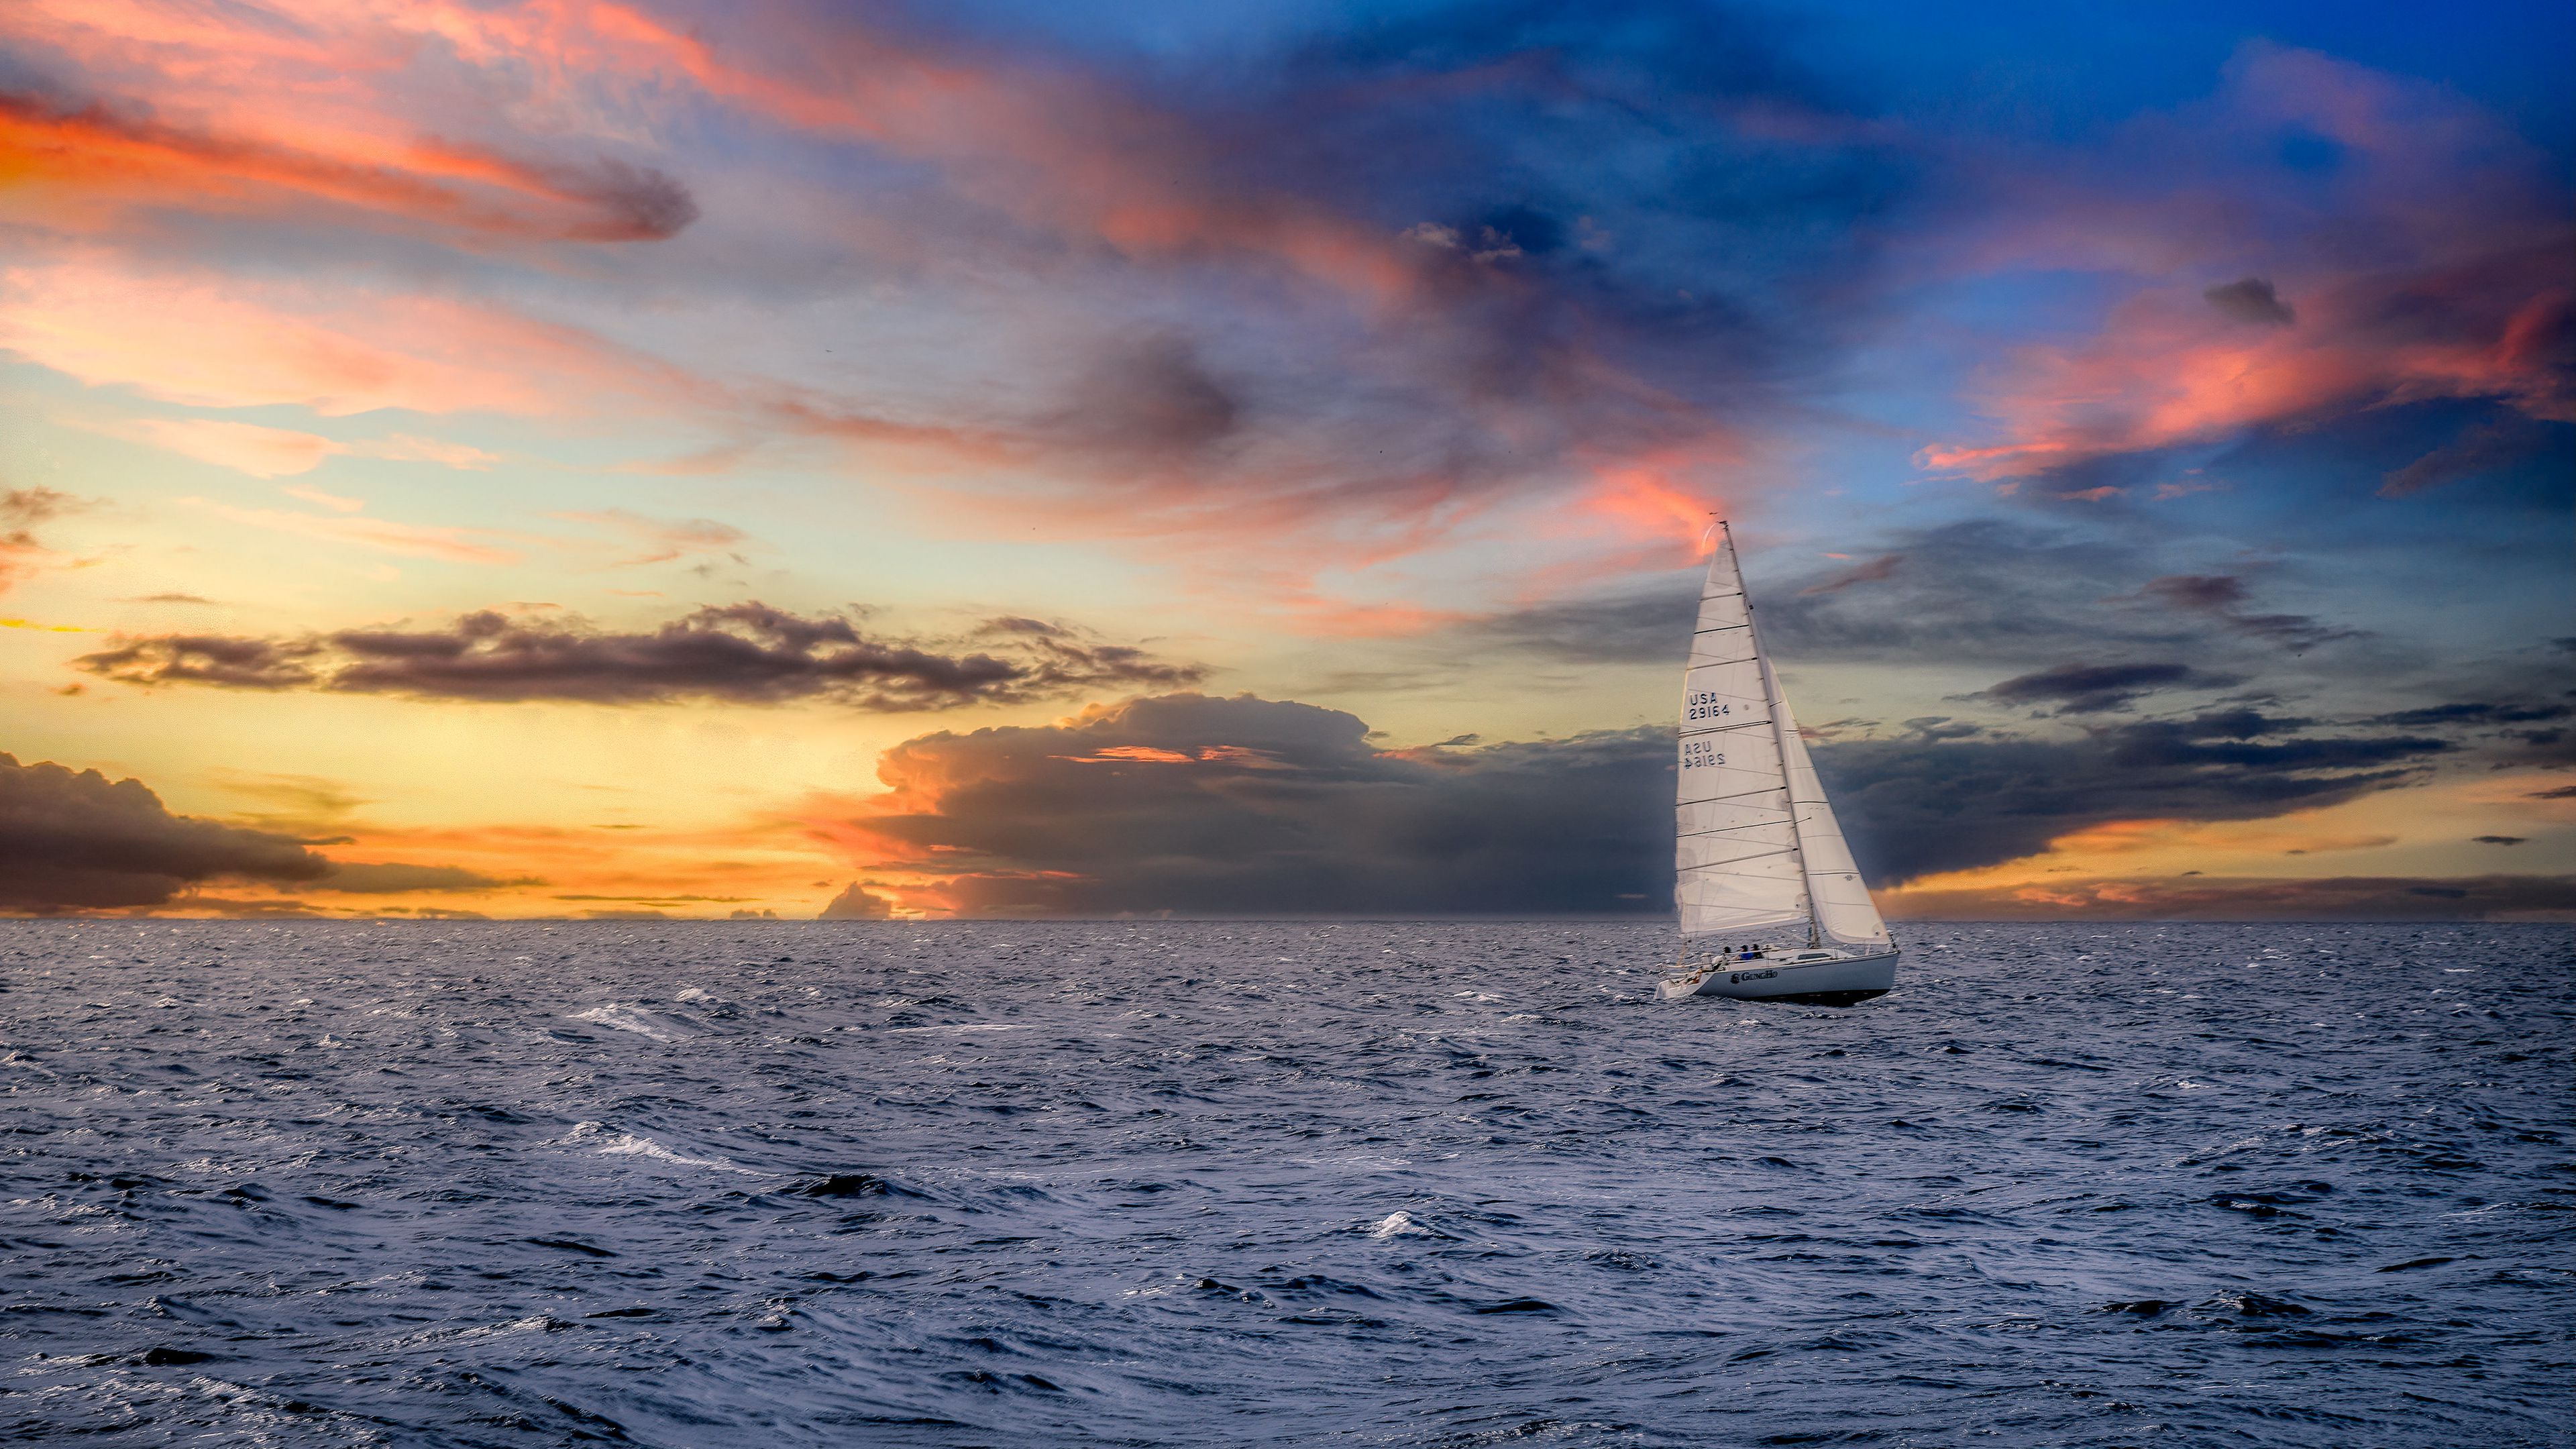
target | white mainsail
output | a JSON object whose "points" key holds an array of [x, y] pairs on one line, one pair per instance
{"points": [[1756, 845]]}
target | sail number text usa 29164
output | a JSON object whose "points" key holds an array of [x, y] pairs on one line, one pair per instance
{"points": [[1696, 753], [1702, 705]]}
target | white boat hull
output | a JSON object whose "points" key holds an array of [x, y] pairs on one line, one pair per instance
{"points": [[1845, 981]]}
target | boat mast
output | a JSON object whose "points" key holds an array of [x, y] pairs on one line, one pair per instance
{"points": [[1779, 740]]}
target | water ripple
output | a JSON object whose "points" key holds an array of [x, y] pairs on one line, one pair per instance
{"points": [[1383, 1184]]}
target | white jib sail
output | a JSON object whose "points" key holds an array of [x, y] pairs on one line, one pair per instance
{"points": [[1757, 846], [1845, 915]]}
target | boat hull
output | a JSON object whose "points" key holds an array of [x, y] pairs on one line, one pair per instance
{"points": [[1846, 982]]}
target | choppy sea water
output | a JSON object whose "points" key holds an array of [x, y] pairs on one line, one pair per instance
{"points": [[1369, 1184]]}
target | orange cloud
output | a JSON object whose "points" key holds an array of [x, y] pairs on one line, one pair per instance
{"points": [[84, 161], [1641, 495]]}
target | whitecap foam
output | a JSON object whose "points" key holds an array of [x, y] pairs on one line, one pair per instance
{"points": [[629, 1144], [630, 1018], [1397, 1225]]}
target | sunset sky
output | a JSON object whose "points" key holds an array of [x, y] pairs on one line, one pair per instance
{"points": [[992, 458]]}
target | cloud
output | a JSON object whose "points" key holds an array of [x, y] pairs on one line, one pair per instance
{"points": [[1871, 572], [376, 878], [2489, 446], [2475, 712], [98, 155], [1979, 589], [1208, 312], [2250, 299], [210, 340], [662, 540], [2219, 898], [747, 652], [2501, 839], [75, 841], [2091, 688], [2218, 594], [1205, 806], [1650, 628], [1984, 589], [857, 903], [2208, 592], [21, 509], [78, 841], [2448, 279], [341, 525], [1917, 807], [264, 452]]}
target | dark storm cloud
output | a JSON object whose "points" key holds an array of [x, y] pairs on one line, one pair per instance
{"points": [[747, 652], [2091, 688], [75, 841], [1914, 808], [1197, 805], [1210, 806], [2252, 300]]}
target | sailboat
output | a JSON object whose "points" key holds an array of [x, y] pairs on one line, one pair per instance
{"points": [[1772, 907]]}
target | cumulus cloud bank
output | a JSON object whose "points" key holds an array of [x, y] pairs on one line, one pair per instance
{"points": [[1207, 806], [1198, 805], [77, 841]]}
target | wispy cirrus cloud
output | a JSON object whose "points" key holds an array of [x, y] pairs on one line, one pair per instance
{"points": [[265, 452], [343, 525]]}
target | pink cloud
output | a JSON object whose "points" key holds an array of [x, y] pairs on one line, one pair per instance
{"points": [[212, 342], [2432, 264]]}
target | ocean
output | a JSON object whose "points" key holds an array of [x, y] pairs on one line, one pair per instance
{"points": [[772, 1184]]}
